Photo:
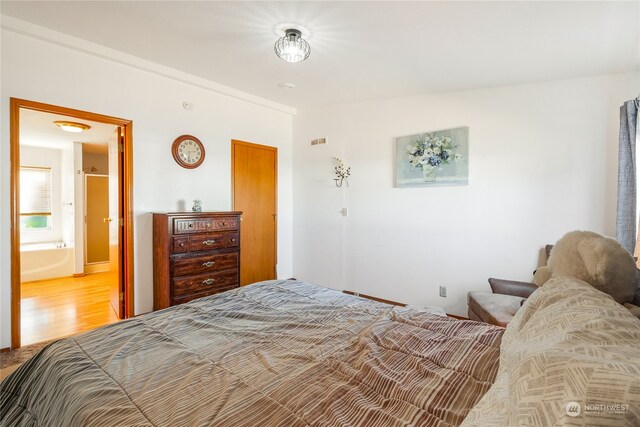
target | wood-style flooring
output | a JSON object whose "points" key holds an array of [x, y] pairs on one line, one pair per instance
{"points": [[60, 307]]}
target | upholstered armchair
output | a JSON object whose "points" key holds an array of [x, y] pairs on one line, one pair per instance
{"points": [[500, 305]]}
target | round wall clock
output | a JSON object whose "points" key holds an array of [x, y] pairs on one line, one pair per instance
{"points": [[188, 151]]}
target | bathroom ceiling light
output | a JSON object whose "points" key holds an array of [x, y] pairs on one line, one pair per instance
{"points": [[292, 47], [71, 126]]}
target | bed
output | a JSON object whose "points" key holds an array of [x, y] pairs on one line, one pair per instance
{"points": [[277, 353]]}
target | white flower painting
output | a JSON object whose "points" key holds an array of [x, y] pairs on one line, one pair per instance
{"points": [[433, 158]]}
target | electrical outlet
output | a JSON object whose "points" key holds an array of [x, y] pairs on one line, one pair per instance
{"points": [[443, 291], [344, 212]]}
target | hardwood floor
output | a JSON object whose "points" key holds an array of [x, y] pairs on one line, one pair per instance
{"points": [[60, 307]]}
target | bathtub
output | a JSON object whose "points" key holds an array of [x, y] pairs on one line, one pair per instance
{"points": [[40, 261]]}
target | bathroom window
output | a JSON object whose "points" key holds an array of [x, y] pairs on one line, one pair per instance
{"points": [[35, 198]]}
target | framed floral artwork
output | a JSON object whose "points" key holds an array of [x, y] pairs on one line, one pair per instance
{"points": [[433, 158]]}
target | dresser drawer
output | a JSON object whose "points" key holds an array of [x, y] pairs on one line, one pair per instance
{"points": [[190, 225], [225, 224], [184, 226], [232, 240], [204, 283], [180, 244], [204, 264], [205, 242]]}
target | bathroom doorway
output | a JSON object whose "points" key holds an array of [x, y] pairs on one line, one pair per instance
{"points": [[95, 161], [96, 227], [71, 236]]}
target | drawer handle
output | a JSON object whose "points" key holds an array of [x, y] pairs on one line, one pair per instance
{"points": [[224, 223], [182, 245], [233, 240], [208, 281], [208, 242], [190, 225], [208, 263]]}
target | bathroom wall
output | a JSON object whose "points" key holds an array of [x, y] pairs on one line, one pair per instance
{"points": [[67, 194]]}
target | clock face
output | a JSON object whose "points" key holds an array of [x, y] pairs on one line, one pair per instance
{"points": [[188, 151]]}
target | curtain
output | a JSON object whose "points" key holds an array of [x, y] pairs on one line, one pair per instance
{"points": [[626, 220]]}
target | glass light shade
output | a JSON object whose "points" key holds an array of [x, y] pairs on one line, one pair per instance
{"points": [[292, 47], [72, 126]]}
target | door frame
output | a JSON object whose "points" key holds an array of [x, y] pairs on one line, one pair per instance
{"points": [[234, 143], [126, 205]]}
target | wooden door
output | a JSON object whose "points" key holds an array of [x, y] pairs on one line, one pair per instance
{"points": [[116, 283], [96, 212], [254, 173]]}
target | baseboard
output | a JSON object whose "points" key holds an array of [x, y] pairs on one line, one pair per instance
{"points": [[5, 350], [45, 280], [399, 304], [385, 301], [99, 267], [457, 317]]}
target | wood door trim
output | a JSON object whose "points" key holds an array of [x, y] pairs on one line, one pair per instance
{"points": [[15, 221], [126, 208], [236, 142]]}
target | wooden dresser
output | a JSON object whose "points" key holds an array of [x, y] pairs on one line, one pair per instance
{"points": [[195, 254]]}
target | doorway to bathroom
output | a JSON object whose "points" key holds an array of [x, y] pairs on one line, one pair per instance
{"points": [[72, 223]]}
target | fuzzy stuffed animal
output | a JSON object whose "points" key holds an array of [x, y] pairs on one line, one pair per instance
{"points": [[600, 261]]}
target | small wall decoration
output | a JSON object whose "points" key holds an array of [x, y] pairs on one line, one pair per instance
{"points": [[342, 172], [433, 158]]}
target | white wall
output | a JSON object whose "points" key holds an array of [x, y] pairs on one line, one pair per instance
{"points": [[78, 209], [543, 161], [41, 71], [67, 195]]}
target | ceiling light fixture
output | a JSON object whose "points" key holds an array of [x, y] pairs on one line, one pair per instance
{"points": [[292, 47], [71, 126]]}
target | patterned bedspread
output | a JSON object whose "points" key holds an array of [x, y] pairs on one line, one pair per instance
{"points": [[570, 357], [278, 353]]}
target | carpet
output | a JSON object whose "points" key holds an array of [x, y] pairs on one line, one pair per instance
{"points": [[12, 359]]}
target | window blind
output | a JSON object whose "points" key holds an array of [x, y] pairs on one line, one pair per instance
{"points": [[35, 191]]}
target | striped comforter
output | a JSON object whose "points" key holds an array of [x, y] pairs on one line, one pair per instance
{"points": [[278, 353]]}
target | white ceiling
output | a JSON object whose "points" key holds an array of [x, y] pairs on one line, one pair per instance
{"points": [[37, 130], [359, 50]]}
